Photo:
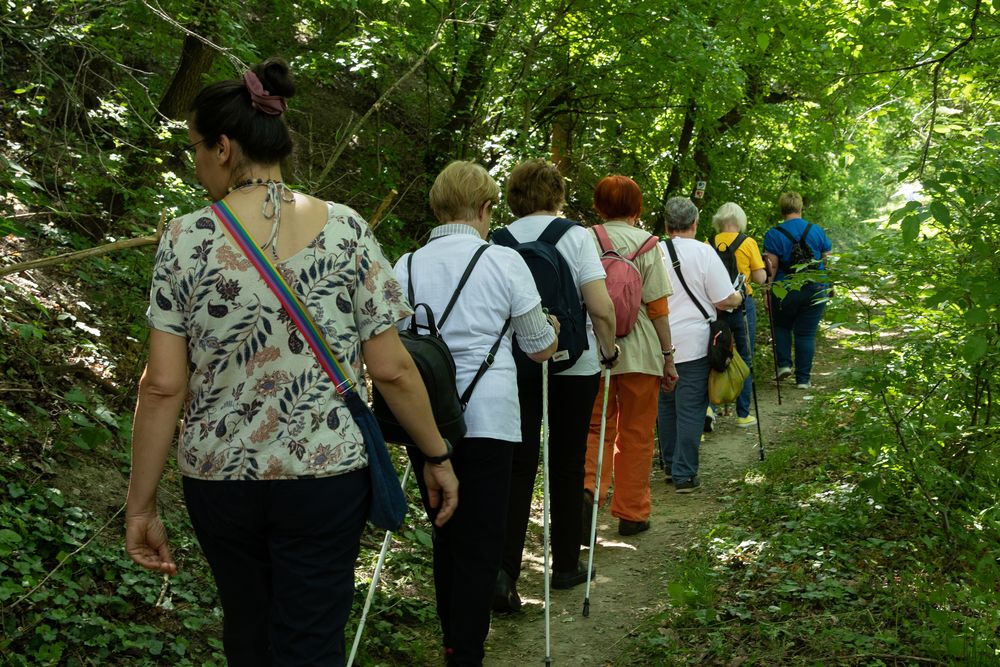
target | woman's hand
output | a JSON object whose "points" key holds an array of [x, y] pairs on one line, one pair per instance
{"points": [[670, 376], [146, 543], [442, 490]]}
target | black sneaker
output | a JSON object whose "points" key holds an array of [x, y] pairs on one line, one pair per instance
{"points": [[709, 420], [626, 527], [687, 486], [564, 580], [505, 597]]}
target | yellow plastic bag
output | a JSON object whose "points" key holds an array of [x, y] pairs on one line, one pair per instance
{"points": [[725, 386]]}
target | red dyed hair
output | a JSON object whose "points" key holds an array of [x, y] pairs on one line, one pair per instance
{"points": [[617, 198]]}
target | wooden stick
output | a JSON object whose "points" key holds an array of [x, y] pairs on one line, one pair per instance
{"points": [[89, 252], [382, 208]]}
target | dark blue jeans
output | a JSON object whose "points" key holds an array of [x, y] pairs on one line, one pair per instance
{"points": [[797, 316], [745, 333], [680, 419], [468, 548], [283, 554]]}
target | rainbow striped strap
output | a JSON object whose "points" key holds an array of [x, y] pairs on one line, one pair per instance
{"points": [[296, 311]]}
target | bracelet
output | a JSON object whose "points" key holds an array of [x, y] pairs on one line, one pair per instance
{"points": [[609, 360], [669, 353]]}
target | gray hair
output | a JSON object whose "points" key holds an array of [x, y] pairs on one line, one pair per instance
{"points": [[730, 212], [679, 214]]}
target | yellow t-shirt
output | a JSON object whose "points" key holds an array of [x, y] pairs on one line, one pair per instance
{"points": [[748, 256]]}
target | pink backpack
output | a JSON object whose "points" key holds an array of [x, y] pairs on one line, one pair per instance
{"points": [[624, 280]]}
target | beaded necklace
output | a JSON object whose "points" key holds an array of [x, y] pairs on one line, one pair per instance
{"points": [[277, 192]]}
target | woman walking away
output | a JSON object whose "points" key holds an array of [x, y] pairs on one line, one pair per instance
{"points": [[272, 462], [797, 315], [730, 224], [646, 364], [536, 191], [499, 290], [703, 285]]}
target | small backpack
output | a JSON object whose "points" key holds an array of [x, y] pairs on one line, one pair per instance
{"points": [[802, 255], [721, 342], [624, 281], [557, 287], [436, 364], [728, 255]]}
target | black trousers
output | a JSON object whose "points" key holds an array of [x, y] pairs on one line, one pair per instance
{"points": [[283, 554], [571, 400], [467, 548]]}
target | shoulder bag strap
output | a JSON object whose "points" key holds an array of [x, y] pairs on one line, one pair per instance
{"points": [[680, 276], [342, 382]]}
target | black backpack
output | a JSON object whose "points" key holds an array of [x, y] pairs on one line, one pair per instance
{"points": [[557, 287], [434, 360], [728, 256], [802, 256], [721, 342]]}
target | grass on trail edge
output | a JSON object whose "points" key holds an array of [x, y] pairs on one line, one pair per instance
{"points": [[805, 568]]}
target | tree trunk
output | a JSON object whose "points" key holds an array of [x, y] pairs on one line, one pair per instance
{"points": [[196, 60]]}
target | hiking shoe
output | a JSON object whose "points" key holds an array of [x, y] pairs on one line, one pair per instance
{"points": [[803, 385], [744, 422], [586, 517], [709, 420], [626, 527], [784, 372], [687, 486], [505, 597], [564, 580]]}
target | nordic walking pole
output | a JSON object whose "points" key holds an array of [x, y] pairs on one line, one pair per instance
{"points": [[597, 491], [753, 377], [769, 300], [545, 507], [375, 579]]}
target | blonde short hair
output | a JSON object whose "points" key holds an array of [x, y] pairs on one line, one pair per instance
{"points": [[460, 190], [790, 202], [728, 213]]}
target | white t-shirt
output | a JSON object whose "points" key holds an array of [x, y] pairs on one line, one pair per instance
{"points": [[706, 276], [577, 248], [499, 287]]}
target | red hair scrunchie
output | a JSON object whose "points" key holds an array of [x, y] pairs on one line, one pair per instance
{"points": [[260, 99]]}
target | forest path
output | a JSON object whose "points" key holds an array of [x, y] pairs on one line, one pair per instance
{"points": [[631, 578]]}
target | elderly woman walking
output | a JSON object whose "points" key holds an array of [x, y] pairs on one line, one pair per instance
{"points": [[272, 462], [499, 291], [704, 287], [646, 364], [730, 223]]}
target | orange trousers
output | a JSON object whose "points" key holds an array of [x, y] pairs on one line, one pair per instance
{"points": [[631, 420]]}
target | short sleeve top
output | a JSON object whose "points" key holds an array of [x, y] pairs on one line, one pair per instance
{"points": [[748, 256], [641, 347], [259, 406]]}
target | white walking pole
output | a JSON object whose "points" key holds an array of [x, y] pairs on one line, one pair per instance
{"points": [[597, 490], [545, 506], [375, 578]]}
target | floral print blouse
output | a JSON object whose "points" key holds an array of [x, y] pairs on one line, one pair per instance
{"points": [[259, 406]]}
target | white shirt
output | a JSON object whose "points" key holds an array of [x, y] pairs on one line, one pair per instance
{"points": [[577, 248], [499, 287], [706, 276]]}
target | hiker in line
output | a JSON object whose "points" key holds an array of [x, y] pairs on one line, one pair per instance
{"points": [[730, 223], [646, 364], [536, 193], [681, 412], [797, 315], [500, 288], [273, 466]]}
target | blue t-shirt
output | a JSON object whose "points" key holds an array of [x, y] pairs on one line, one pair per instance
{"points": [[779, 245]]}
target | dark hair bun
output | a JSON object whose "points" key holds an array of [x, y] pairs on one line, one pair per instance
{"points": [[275, 76]]}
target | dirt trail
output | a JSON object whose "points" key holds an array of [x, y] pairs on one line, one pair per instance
{"points": [[631, 571]]}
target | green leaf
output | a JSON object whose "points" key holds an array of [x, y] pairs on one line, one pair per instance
{"points": [[975, 348], [911, 228], [763, 39], [940, 213]]}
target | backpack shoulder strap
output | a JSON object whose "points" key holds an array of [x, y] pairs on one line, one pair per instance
{"points": [[461, 283], [805, 232], [786, 234], [737, 242], [602, 238], [409, 279], [646, 246], [680, 276], [503, 237], [555, 230], [485, 366]]}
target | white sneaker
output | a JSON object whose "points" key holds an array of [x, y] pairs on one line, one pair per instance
{"points": [[803, 385], [784, 372]]}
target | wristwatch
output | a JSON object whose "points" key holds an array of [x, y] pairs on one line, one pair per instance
{"points": [[438, 460], [669, 353]]}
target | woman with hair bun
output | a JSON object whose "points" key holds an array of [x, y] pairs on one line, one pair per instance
{"points": [[273, 465]]}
